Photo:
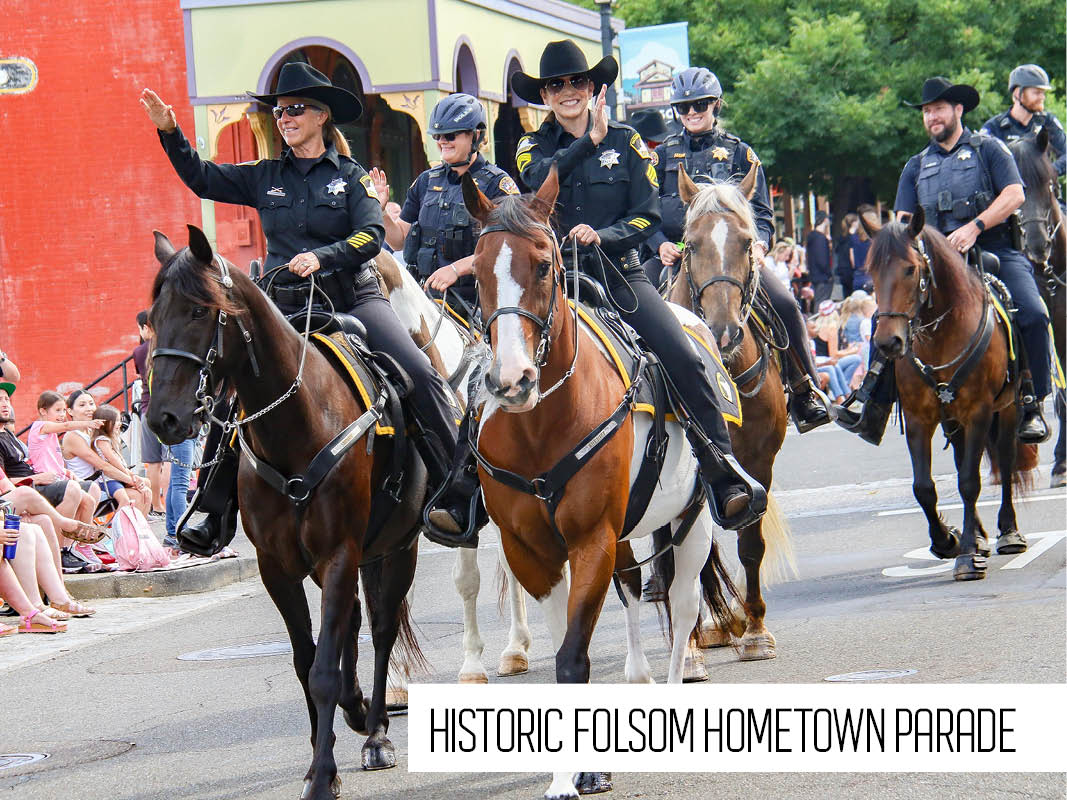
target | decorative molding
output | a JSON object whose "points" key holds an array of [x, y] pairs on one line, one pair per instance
{"points": [[411, 103], [18, 75], [262, 125], [219, 117], [263, 85]]}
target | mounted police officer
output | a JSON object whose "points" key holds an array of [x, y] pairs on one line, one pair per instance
{"points": [[708, 153], [968, 185], [435, 231], [1027, 85], [321, 216], [608, 204]]}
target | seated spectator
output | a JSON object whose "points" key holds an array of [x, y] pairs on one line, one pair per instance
{"points": [[86, 455], [155, 467], [31, 618], [839, 363], [36, 570], [66, 496]]}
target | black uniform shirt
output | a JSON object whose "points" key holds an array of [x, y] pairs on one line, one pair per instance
{"points": [[995, 158], [610, 187], [1006, 128], [332, 211], [492, 180], [689, 151]]}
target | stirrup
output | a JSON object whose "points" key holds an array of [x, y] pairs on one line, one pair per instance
{"points": [[805, 395], [465, 538], [732, 474]]}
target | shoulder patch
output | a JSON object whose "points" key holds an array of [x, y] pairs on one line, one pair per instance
{"points": [[654, 158], [522, 161], [525, 143], [507, 185], [1050, 119], [638, 144], [368, 184], [650, 172]]}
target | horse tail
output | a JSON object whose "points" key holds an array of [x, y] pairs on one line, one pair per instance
{"points": [[720, 593], [779, 559], [1023, 479], [407, 657]]}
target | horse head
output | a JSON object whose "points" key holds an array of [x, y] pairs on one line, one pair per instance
{"points": [[194, 294], [519, 270], [717, 262], [900, 266], [1039, 215]]}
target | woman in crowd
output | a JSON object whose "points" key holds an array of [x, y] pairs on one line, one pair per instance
{"points": [[859, 243], [838, 362], [36, 570]]}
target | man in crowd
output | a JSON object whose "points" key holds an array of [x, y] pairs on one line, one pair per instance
{"points": [[820, 266]]}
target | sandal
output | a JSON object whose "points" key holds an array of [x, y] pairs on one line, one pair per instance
{"points": [[54, 613], [41, 623], [86, 533], [8, 630], [74, 609]]}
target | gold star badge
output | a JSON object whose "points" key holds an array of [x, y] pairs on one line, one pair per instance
{"points": [[720, 153], [964, 155]]}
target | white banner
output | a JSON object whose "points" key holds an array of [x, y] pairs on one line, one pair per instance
{"points": [[737, 728]]}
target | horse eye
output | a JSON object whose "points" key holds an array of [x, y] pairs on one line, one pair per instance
{"points": [[199, 312], [542, 269], [910, 270]]}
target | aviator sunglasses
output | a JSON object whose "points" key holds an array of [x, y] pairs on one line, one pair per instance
{"points": [[699, 106], [294, 110], [577, 82], [445, 137]]}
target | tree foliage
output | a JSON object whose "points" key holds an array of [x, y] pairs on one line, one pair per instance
{"points": [[816, 87]]}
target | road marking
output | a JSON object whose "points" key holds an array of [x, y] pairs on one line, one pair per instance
{"points": [[982, 503], [1039, 543]]}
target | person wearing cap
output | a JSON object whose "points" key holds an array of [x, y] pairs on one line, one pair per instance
{"points": [[709, 153], [967, 185], [649, 123], [434, 230], [321, 215], [1027, 85], [608, 204]]}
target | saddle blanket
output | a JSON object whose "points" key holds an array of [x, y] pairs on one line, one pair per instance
{"points": [[340, 352]]}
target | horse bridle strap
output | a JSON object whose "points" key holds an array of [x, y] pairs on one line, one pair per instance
{"points": [[747, 288]]}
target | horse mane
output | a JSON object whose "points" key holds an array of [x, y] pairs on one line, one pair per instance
{"points": [[722, 197], [1034, 166], [515, 214], [950, 270], [194, 281]]}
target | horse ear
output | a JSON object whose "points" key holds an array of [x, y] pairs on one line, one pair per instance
{"points": [[478, 205], [199, 246], [687, 190], [748, 185], [869, 220], [164, 249], [1041, 141], [917, 222], [545, 200]]}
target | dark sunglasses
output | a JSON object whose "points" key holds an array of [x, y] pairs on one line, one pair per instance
{"points": [[699, 106], [295, 110], [445, 137], [576, 82]]}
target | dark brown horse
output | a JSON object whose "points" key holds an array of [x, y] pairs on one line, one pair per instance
{"points": [[1044, 243], [718, 280], [936, 320], [213, 324]]}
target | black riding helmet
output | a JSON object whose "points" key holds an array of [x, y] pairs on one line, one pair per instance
{"points": [[457, 112], [695, 83]]}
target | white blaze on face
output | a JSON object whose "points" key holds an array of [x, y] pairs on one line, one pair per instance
{"points": [[718, 238], [509, 343]]}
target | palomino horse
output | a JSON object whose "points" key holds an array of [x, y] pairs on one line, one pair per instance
{"points": [[936, 320], [718, 280], [1044, 242], [213, 324], [439, 336], [551, 389]]}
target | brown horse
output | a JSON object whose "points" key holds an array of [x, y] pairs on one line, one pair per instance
{"points": [[936, 320], [550, 389], [1044, 243], [213, 324], [718, 280]]}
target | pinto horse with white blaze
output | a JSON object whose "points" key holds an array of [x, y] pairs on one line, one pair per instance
{"points": [[719, 280], [550, 388]]}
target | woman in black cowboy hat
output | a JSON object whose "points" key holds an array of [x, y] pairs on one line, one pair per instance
{"points": [[321, 215], [609, 204]]}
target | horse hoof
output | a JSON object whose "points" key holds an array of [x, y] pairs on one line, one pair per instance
{"points": [[981, 546], [396, 699], [694, 670], [474, 677], [1011, 542], [335, 788], [378, 755], [513, 664], [593, 782], [952, 550], [970, 568], [712, 636], [757, 647]]}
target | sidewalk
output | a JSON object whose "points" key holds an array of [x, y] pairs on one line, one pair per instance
{"points": [[188, 580]]}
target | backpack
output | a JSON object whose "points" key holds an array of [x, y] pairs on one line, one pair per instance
{"points": [[136, 547]]}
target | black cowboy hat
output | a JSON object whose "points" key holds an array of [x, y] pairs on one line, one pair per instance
{"points": [[939, 88], [303, 80], [559, 59], [649, 123]]}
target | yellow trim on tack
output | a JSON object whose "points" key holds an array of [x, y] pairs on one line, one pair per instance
{"points": [[379, 429], [1007, 324], [736, 399]]}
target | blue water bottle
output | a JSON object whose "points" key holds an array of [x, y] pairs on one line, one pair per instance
{"points": [[11, 523]]}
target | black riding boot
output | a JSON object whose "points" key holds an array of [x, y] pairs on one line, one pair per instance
{"points": [[877, 393], [455, 512], [1032, 428], [217, 495], [808, 406]]}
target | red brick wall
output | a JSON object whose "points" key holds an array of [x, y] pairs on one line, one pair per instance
{"points": [[84, 183]]}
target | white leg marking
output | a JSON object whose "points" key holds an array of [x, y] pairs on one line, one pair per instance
{"points": [[684, 591], [467, 578], [516, 655], [637, 669], [554, 606], [562, 786]]}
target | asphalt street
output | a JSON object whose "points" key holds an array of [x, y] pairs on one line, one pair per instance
{"points": [[121, 717]]}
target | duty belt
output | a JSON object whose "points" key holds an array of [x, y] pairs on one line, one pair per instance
{"points": [[342, 290]]}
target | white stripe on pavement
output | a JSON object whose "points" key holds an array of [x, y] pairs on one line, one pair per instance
{"points": [[1018, 501]]}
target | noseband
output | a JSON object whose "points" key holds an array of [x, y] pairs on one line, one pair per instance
{"points": [[747, 288], [1051, 278]]}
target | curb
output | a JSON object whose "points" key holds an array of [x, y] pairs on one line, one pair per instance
{"points": [[190, 580]]}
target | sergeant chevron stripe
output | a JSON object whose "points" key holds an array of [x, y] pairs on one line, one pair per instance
{"points": [[360, 239], [639, 222]]}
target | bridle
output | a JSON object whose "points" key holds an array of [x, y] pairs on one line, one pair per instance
{"points": [[544, 324], [923, 295], [1045, 220], [748, 287]]}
